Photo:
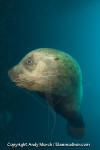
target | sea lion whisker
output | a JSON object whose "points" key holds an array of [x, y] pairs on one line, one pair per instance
{"points": [[35, 98]]}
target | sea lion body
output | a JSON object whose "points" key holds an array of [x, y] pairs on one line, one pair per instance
{"points": [[56, 76]]}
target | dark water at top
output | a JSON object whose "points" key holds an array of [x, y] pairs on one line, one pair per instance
{"points": [[72, 26]]}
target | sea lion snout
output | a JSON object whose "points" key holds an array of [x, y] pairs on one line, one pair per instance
{"points": [[14, 73], [17, 75]]}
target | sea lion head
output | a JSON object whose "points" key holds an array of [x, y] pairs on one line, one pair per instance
{"points": [[56, 76], [44, 70]]}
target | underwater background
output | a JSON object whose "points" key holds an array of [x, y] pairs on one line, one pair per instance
{"points": [[72, 26]]}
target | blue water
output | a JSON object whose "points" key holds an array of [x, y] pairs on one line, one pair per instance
{"points": [[72, 26]]}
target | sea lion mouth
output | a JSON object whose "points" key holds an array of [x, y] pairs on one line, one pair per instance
{"points": [[19, 78], [14, 76]]}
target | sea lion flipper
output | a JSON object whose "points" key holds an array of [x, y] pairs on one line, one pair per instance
{"points": [[75, 132], [76, 127]]}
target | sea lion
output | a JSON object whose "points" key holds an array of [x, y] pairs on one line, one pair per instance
{"points": [[56, 76]]}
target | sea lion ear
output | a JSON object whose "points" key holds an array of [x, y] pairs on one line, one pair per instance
{"points": [[56, 58]]}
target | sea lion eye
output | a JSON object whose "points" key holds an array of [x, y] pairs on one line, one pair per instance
{"points": [[29, 61]]}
